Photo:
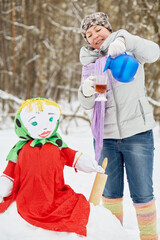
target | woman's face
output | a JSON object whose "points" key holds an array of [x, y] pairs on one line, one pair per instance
{"points": [[96, 35]]}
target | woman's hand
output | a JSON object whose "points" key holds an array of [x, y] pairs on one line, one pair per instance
{"points": [[88, 86], [117, 47]]}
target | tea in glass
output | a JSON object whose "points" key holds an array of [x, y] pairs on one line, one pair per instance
{"points": [[101, 87]]}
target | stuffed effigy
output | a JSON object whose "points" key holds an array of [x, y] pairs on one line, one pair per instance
{"points": [[34, 173]]}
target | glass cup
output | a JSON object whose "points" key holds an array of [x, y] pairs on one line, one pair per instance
{"points": [[101, 87]]}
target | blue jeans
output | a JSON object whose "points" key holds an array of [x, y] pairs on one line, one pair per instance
{"points": [[136, 153]]}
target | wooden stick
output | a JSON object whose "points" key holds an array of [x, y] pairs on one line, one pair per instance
{"points": [[98, 185]]}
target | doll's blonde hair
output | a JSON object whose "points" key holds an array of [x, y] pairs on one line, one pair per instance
{"points": [[39, 103]]}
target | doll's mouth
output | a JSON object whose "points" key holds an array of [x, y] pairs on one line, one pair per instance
{"points": [[44, 134]]}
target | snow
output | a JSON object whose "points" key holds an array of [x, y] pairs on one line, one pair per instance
{"points": [[102, 224]]}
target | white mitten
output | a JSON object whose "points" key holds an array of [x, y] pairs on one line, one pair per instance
{"points": [[117, 47], [1, 199], [6, 186], [88, 86], [86, 164]]}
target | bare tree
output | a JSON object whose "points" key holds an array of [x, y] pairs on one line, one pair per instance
{"points": [[40, 42]]}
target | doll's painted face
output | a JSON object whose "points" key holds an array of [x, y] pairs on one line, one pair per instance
{"points": [[40, 124]]}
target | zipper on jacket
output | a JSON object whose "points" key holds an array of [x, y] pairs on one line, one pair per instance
{"points": [[142, 111]]}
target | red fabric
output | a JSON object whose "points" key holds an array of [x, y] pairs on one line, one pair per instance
{"points": [[9, 170], [42, 197], [69, 155]]}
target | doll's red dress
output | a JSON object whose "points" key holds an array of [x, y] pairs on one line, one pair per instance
{"points": [[43, 199]]}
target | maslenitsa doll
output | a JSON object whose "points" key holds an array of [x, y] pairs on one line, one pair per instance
{"points": [[34, 173]]}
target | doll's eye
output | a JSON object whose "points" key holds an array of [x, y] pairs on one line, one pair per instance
{"points": [[34, 123], [51, 119]]}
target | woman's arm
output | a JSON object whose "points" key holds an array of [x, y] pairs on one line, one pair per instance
{"points": [[145, 51], [86, 102]]}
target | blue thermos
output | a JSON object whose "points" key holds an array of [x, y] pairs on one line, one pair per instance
{"points": [[123, 67]]}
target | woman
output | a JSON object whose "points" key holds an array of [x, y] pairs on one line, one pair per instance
{"points": [[121, 127]]}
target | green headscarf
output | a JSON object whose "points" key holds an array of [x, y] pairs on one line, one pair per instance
{"points": [[22, 133]]}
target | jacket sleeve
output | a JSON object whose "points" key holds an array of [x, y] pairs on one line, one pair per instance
{"points": [[86, 102], [145, 51]]}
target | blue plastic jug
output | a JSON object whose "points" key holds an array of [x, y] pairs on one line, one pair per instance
{"points": [[123, 67]]}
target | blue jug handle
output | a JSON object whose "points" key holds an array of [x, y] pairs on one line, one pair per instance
{"points": [[108, 62], [107, 65], [124, 64]]}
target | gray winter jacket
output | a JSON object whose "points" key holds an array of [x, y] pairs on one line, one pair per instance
{"points": [[127, 111]]}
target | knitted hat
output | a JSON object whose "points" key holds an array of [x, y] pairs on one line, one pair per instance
{"points": [[98, 18]]}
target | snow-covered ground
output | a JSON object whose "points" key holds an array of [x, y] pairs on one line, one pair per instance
{"points": [[102, 224]]}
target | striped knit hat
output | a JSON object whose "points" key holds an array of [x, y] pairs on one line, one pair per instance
{"points": [[98, 18]]}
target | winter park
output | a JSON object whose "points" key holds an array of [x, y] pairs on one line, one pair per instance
{"points": [[102, 223], [79, 120]]}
